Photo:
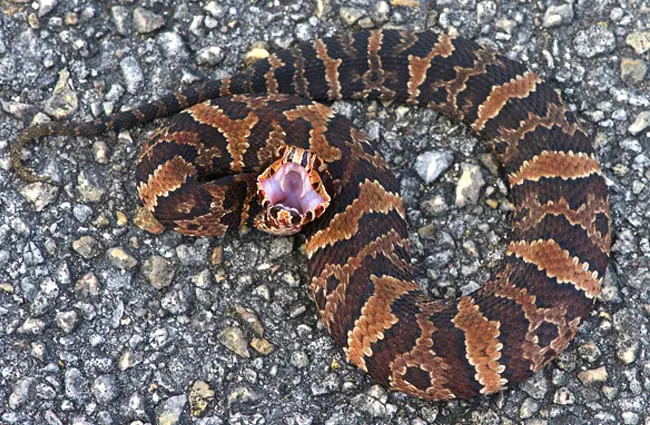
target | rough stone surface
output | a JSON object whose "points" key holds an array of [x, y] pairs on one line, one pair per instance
{"points": [[121, 259], [633, 71], [86, 342], [594, 41], [235, 340], [170, 411], [132, 73], [146, 21], [39, 194], [105, 389], [470, 183], [430, 165], [639, 41], [641, 122], [558, 15], [158, 271], [64, 101]]}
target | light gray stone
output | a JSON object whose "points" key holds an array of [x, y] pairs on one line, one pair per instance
{"points": [[469, 186], [594, 41], [22, 392], [169, 412], [132, 74], [641, 122], [39, 194], [558, 15], [639, 41], [430, 165], [211, 55], [146, 21]]}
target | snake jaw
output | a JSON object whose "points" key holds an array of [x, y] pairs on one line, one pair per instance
{"points": [[291, 192]]}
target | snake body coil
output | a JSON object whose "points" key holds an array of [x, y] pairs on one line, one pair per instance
{"points": [[198, 176]]}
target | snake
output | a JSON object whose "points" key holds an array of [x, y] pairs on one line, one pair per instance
{"points": [[262, 149]]}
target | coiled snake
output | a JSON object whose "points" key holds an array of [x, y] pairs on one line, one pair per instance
{"points": [[200, 175]]}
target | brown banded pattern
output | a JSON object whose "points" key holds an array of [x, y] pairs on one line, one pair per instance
{"points": [[197, 176]]}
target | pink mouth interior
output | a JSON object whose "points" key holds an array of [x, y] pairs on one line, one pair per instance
{"points": [[290, 189]]}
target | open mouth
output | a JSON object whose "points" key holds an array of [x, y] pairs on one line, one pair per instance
{"points": [[291, 192], [290, 188]]}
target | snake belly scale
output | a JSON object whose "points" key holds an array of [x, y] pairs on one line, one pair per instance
{"points": [[198, 174]]}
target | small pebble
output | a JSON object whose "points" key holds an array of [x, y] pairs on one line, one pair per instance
{"points": [[146, 21], [627, 350], [100, 152], [536, 386], [469, 186], [214, 9], [32, 326], [64, 101], [71, 19], [120, 18], [589, 351], [172, 45], [32, 254], [262, 346], [593, 376], [639, 41], [46, 6], [350, 15], [594, 41], [631, 418], [485, 11], [212, 55], [87, 246], [169, 412], [242, 395], [257, 52], [235, 340], [176, 301], [158, 271], [89, 188], [558, 15], [430, 165], [641, 122], [38, 351], [67, 320], [633, 71], [119, 258], [132, 74], [563, 397], [82, 213], [528, 408], [75, 384], [22, 392], [87, 286], [299, 359], [39, 194], [200, 395], [280, 247], [126, 361], [373, 401], [106, 389]]}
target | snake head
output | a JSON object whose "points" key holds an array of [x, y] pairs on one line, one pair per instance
{"points": [[291, 192]]}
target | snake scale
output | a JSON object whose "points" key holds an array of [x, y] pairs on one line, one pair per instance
{"points": [[200, 175]]}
